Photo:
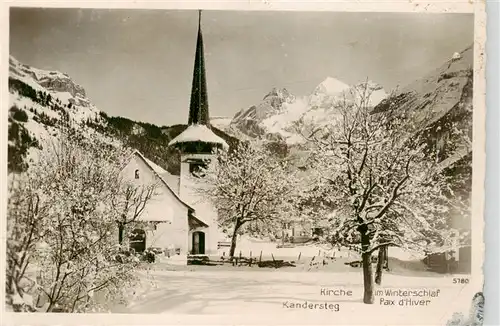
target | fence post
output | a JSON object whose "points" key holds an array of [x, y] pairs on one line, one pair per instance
{"points": [[298, 259], [311, 263], [274, 261], [260, 257]]}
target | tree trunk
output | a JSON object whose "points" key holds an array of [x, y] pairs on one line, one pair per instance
{"points": [[386, 253], [367, 269], [381, 262], [233, 240], [121, 231], [10, 281]]}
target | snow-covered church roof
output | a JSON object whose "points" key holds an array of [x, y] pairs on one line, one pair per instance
{"points": [[166, 178], [198, 133], [169, 180]]}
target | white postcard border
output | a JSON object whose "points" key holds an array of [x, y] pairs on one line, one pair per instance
{"points": [[353, 317]]}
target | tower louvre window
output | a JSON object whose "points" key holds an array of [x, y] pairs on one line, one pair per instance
{"points": [[196, 169], [136, 173], [196, 166]]}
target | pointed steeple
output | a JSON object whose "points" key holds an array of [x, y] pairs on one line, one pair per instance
{"points": [[198, 137], [198, 108]]}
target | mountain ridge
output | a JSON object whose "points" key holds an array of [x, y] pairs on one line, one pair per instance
{"points": [[276, 116], [41, 102], [48, 98]]}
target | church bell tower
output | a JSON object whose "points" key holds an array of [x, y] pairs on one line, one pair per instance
{"points": [[198, 144]]}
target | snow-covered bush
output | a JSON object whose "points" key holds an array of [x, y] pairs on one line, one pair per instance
{"points": [[149, 256], [62, 228]]}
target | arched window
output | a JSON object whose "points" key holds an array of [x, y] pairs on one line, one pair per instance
{"points": [[137, 174]]}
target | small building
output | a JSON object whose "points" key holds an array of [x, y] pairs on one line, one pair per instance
{"points": [[456, 261]]}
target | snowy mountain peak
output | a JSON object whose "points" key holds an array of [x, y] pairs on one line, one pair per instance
{"points": [[279, 113], [330, 86], [281, 93]]}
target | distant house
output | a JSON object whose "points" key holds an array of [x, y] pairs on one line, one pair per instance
{"points": [[299, 231], [296, 229], [454, 260]]}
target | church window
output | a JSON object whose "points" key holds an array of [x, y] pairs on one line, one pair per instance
{"points": [[196, 169], [137, 174]]}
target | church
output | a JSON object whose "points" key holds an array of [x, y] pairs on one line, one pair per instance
{"points": [[181, 221]]}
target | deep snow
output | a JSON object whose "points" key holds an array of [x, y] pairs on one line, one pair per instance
{"points": [[250, 293], [231, 291]]}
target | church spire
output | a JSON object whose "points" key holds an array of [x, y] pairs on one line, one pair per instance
{"points": [[198, 108]]}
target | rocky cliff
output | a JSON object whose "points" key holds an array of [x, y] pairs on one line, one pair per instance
{"points": [[441, 103]]}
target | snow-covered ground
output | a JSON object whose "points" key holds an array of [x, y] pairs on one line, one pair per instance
{"points": [[272, 292], [254, 246], [251, 294]]}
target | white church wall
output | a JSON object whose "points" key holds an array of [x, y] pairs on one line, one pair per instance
{"points": [[168, 236], [205, 211], [164, 206]]}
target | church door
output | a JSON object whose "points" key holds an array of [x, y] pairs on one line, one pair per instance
{"points": [[138, 240], [198, 243]]}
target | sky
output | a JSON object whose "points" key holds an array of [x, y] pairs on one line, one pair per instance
{"points": [[139, 63]]}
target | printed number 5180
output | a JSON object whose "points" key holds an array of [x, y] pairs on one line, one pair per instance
{"points": [[460, 280]]}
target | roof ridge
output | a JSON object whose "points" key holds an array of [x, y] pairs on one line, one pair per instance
{"points": [[136, 152]]}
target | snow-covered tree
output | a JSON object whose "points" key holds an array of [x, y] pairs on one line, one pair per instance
{"points": [[372, 172], [251, 189], [24, 230], [61, 223], [130, 201]]}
